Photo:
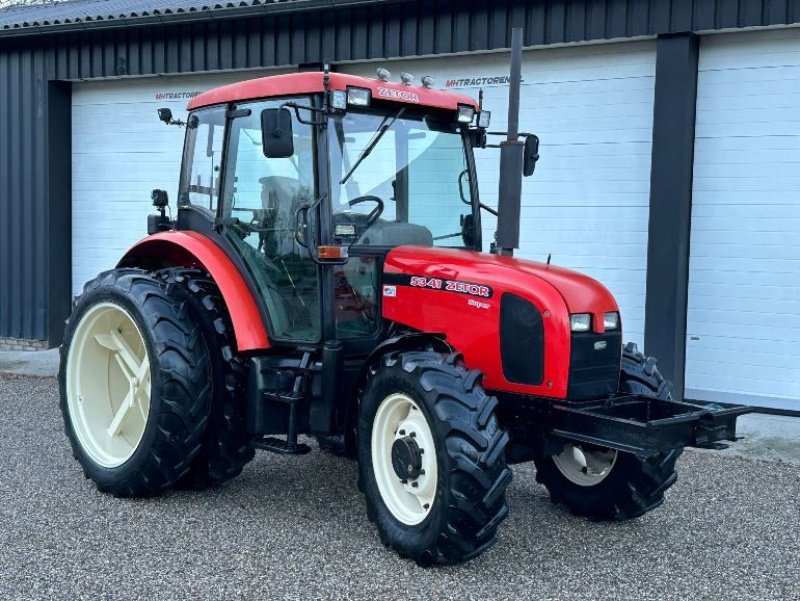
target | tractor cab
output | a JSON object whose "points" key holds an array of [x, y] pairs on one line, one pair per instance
{"points": [[312, 178]]}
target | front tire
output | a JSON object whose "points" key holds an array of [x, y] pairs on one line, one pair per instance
{"points": [[134, 384], [604, 484], [431, 457]]}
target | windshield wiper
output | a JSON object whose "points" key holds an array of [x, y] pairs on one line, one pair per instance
{"points": [[382, 129]]}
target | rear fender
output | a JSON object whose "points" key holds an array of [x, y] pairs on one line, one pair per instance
{"points": [[190, 249]]}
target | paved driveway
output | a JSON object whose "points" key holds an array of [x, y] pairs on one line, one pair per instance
{"points": [[296, 528]]}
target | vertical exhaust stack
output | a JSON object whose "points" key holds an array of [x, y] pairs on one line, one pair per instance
{"points": [[511, 153]]}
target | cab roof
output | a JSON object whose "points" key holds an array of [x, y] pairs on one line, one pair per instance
{"points": [[311, 82]]}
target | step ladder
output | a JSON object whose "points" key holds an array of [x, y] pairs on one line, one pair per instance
{"points": [[289, 445]]}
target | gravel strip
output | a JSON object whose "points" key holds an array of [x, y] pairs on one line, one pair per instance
{"points": [[296, 528]]}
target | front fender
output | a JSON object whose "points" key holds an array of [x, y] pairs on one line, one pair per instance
{"points": [[191, 249]]}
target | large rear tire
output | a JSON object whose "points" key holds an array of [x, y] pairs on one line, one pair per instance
{"points": [[431, 457], [603, 484], [226, 446], [134, 384]]}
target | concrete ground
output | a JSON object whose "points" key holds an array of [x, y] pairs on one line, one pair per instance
{"points": [[30, 363], [296, 528]]}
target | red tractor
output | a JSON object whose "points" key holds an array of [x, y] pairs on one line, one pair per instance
{"points": [[323, 276]]}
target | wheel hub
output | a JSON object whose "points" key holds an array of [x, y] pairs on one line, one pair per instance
{"points": [[406, 458], [108, 384]]}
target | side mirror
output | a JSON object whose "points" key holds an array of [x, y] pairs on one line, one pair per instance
{"points": [[165, 115], [276, 133], [468, 229], [531, 155]]}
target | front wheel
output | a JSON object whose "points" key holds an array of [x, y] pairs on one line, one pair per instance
{"points": [[431, 457], [604, 484]]}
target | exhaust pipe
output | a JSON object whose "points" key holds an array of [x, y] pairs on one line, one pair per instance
{"points": [[511, 155]]}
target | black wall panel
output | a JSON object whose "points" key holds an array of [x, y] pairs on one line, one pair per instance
{"points": [[35, 150]]}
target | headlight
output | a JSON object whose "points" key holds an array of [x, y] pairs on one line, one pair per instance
{"points": [[611, 321], [580, 322], [484, 118], [358, 96], [466, 114]]}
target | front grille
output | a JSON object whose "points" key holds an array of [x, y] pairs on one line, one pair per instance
{"points": [[594, 372], [521, 340]]}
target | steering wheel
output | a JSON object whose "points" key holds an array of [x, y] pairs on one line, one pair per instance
{"points": [[373, 215]]}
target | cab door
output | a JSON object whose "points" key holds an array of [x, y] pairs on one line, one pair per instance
{"points": [[259, 216]]}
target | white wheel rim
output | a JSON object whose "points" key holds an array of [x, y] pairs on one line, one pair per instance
{"points": [[585, 468], [108, 384], [397, 417]]}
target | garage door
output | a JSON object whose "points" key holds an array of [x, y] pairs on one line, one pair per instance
{"points": [[743, 335], [121, 151], [587, 203]]}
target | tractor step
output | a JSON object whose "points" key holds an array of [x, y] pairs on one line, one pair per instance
{"points": [[281, 446], [288, 398]]}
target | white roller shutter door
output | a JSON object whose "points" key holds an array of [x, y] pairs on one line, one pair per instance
{"points": [[743, 334]]}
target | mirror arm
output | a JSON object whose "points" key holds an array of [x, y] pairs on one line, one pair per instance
{"points": [[487, 208], [505, 133], [307, 208], [297, 107]]}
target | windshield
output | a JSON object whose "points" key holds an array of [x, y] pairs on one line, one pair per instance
{"points": [[399, 177]]}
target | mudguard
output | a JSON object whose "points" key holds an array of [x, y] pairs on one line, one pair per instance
{"points": [[191, 249]]}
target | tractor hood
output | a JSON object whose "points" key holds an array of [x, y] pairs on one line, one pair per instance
{"points": [[580, 293], [489, 307]]}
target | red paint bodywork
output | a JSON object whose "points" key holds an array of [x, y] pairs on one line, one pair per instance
{"points": [[474, 330], [311, 83], [191, 249]]}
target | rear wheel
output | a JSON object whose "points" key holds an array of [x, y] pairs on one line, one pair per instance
{"points": [[134, 389], [605, 484], [226, 446], [431, 457]]}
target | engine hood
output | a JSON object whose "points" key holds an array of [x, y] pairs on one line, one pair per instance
{"points": [[580, 293], [461, 294]]}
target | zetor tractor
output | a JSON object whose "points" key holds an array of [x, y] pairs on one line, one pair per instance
{"points": [[324, 277]]}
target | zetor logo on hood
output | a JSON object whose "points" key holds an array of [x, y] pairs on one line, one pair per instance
{"points": [[398, 94]]}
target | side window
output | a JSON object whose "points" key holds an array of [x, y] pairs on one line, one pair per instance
{"points": [[200, 179], [436, 164]]}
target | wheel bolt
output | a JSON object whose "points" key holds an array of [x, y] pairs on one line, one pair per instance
{"points": [[412, 434], [426, 506], [415, 484], [402, 432]]}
